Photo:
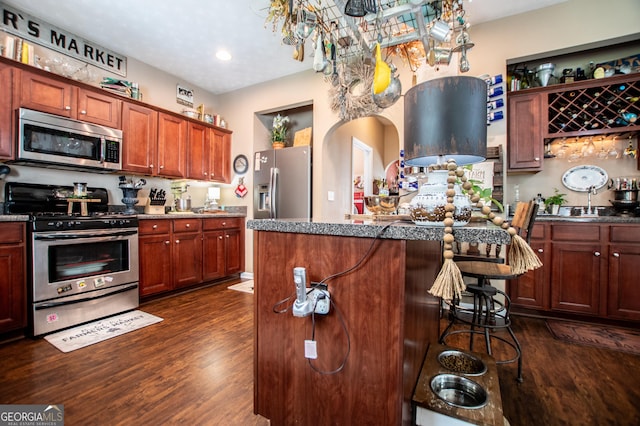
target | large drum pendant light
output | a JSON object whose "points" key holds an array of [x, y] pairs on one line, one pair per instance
{"points": [[446, 118]]}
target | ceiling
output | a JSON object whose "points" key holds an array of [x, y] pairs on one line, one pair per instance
{"points": [[181, 38]]}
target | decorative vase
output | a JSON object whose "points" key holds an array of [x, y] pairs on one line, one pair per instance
{"points": [[428, 207], [277, 145], [130, 199]]}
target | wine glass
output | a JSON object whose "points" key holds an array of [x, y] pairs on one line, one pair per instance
{"points": [[589, 148], [562, 151], [613, 151]]}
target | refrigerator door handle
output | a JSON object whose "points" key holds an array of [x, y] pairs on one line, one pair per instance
{"points": [[273, 192]]}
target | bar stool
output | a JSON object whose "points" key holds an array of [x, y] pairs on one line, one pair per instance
{"points": [[489, 313]]}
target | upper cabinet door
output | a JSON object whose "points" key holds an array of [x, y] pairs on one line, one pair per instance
{"points": [[139, 138], [6, 116], [99, 108], [198, 151], [221, 151], [524, 127], [172, 146], [47, 95]]}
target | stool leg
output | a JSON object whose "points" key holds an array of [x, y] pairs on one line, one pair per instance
{"points": [[452, 320], [487, 337], [519, 353]]}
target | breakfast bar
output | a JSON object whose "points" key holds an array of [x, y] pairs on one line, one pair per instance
{"points": [[372, 343]]}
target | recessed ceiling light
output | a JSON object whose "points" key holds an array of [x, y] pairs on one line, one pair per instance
{"points": [[223, 55]]}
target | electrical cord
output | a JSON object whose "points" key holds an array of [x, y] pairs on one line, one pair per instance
{"points": [[346, 333], [364, 257]]}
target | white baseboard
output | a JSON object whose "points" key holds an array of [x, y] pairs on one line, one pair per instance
{"points": [[246, 275]]}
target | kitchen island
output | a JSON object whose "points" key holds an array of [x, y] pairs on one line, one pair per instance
{"points": [[371, 345]]}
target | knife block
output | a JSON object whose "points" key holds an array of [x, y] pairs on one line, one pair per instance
{"points": [[149, 209]]}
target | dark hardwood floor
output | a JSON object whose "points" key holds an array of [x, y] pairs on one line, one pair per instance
{"points": [[196, 368]]}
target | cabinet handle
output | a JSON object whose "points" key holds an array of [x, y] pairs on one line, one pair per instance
{"points": [[83, 112], [224, 223], [537, 159], [161, 167], [155, 226], [167, 242], [205, 173], [220, 237], [67, 108], [540, 250], [616, 254], [177, 241], [596, 254], [187, 225]]}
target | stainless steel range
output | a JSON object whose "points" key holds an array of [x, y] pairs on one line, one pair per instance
{"points": [[82, 267]]}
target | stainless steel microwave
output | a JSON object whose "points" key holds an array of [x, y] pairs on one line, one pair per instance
{"points": [[61, 142]]}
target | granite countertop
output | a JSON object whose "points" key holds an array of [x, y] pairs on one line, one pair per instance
{"points": [[397, 230], [190, 215]]}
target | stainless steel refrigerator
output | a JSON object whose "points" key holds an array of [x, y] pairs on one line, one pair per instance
{"points": [[282, 183]]}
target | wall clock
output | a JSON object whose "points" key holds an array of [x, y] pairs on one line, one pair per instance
{"points": [[240, 164]]}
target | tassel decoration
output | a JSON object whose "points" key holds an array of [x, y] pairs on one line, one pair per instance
{"points": [[449, 282]]}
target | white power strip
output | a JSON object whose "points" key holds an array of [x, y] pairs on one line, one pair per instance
{"points": [[321, 300]]}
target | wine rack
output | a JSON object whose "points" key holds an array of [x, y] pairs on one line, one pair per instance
{"points": [[592, 107]]}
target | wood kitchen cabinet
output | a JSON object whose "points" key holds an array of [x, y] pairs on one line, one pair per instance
{"points": [[139, 138], [13, 287], [172, 146], [55, 96], [588, 269], [531, 290], [176, 253], [220, 162], [623, 298], [198, 151], [170, 254], [578, 109], [222, 247], [6, 113], [155, 256], [208, 155], [187, 252], [524, 131]]}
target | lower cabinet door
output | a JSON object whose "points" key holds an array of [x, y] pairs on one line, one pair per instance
{"points": [[213, 261], [623, 298], [155, 264], [576, 277]]}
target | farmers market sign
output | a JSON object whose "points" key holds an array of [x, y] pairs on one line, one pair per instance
{"points": [[39, 32]]}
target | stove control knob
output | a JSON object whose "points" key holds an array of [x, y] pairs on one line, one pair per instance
{"points": [[58, 225]]}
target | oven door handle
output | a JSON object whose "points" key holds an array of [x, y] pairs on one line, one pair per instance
{"points": [[113, 235], [48, 305]]}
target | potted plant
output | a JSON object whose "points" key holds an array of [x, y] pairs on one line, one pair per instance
{"points": [[279, 131], [552, 204]]}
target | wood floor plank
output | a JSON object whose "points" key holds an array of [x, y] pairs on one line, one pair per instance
{"points": [[196, 367]]}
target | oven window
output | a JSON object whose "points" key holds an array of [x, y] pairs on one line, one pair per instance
{"points": [[58, 142], [71, 261]]}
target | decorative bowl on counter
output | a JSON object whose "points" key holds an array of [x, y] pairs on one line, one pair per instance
{"points": [[428, 207], [378, 204]]}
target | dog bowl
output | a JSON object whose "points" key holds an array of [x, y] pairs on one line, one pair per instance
{"points": [[462, 362], [459, 391]]}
